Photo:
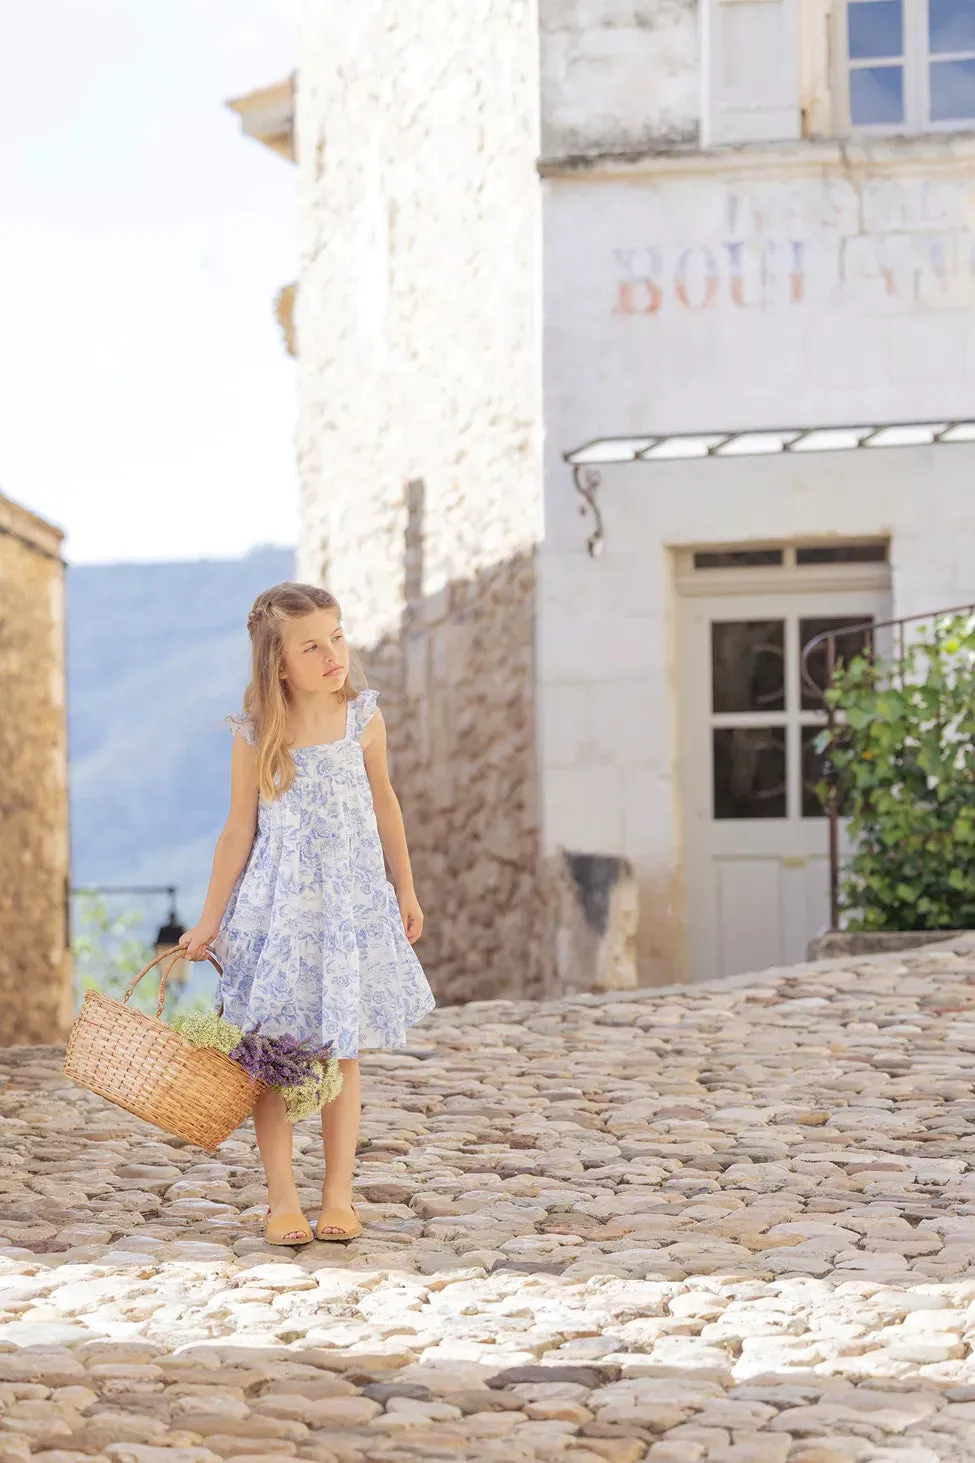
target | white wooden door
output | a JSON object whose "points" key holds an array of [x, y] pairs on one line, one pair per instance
{"points": [[755, 849]]}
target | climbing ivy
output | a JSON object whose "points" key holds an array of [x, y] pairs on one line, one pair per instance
{"points": [[903, 751]]}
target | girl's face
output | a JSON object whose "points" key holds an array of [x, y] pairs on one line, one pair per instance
{"points": [[316, 656]]}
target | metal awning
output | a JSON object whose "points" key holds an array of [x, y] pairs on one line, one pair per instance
{"points": [[681, 446]]}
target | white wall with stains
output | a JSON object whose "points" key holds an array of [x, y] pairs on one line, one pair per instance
{"points": [[618, 75], [767, 295], [777, 288]]}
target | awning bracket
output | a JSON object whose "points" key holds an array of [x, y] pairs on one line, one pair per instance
{"points": [[588, 482]]}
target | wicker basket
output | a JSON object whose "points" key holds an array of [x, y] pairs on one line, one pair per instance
{"points": [[146, 1067]]}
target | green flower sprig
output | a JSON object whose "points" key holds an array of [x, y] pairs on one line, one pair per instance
{"points": [[208, 1029]]}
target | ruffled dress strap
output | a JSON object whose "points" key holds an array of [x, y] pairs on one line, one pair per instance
{"points": [[243, 727], [361, 712]]}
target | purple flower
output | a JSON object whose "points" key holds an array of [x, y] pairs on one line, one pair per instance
{"points": [[279, 1061]]}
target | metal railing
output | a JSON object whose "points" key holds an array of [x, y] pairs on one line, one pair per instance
{"points": [[866, 633]]}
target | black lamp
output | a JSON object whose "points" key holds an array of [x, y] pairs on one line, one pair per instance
{"points": [[169, 934]]}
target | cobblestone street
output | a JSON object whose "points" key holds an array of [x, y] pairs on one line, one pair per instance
{"points": [[732, 1223]]}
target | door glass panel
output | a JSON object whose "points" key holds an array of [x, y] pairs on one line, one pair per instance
{"points": [[841, 554], [748, 665], [749, 772], [847, 646], [737, 558], [812, 773]]}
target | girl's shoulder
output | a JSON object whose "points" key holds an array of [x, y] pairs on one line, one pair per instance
{"points": [[242, 726], [361, 712]]}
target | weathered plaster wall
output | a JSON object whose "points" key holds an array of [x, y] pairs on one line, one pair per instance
{"points": [[804, 288], [419, 430], [618, 76], [796, 292], [35, 971], [610, 741]]}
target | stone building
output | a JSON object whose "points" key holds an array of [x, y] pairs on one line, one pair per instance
{"points": [[633, 258], [35, 966]]}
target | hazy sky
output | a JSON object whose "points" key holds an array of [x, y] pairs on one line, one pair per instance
{"points": [[146, 399]]}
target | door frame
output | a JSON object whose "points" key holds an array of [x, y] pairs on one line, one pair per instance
{"points": [[787, 581]]}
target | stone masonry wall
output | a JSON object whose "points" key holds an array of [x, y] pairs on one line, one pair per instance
{"points": [[35, 974], [458, 700], [418, 431]]}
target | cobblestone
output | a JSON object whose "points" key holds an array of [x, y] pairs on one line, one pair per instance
{"points": [[723, 1224]]}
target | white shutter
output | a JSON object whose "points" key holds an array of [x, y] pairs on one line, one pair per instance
{"points": [[750, 55]]}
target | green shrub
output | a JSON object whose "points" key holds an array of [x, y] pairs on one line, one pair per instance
{"points": [[903, 750]]}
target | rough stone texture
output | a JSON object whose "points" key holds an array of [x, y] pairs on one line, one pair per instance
{"points": [[457, 692], [732, 1223], [597, 59], [417, 338], [35, 976]]}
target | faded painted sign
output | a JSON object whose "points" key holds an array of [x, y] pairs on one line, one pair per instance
{"points": [[881, 246]]}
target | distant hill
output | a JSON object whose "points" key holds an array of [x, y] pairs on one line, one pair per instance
{"points": [[157, 656]]}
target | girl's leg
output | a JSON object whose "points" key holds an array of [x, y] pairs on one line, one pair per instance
{"points": [[340, 1132], [274, 1138]]}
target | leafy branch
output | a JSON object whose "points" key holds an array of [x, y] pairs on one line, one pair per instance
{"points": [[903, 751], [108, 953]]}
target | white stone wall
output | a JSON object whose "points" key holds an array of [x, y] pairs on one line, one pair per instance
{"points": [[417, 335], [417, 128], [723, 294], [606, 649], [618, 75]]}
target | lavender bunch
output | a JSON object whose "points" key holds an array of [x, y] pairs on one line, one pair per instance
{"points": [[279, 1061]]}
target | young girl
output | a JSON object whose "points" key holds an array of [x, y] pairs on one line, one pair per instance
{"points": [[313, 940]]}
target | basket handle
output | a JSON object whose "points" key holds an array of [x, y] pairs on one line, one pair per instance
{"points": [[177, 953]]}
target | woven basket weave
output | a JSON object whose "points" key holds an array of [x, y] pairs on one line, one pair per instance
{"points": [[144, 1066]]}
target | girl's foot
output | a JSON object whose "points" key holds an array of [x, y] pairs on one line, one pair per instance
{"points": [[339, 1219], [285, 1224]]}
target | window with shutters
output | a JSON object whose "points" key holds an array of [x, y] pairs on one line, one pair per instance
{"points": [[909, 64]]}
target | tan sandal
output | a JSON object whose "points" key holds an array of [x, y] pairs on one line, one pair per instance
{"points": [[328, 1220], [276, 1230]]}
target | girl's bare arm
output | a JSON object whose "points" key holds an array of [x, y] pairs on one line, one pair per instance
{"points": [[232, 851]]}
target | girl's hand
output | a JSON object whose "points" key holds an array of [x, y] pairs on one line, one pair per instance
{"points": [[412, 915], [197, 940]]}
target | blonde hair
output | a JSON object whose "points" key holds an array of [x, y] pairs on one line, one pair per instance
{"points": [[266, 698]]}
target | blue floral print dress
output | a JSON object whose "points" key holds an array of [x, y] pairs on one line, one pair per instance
{"points": [[312, 943]]}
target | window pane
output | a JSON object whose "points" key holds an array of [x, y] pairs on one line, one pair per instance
{"points": [[736, 558], [952, 25], [876, 95], [847, 646], [749, 772], [952, 91], [874, 28], [812, 771], [748, 665], [842, 554]]}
